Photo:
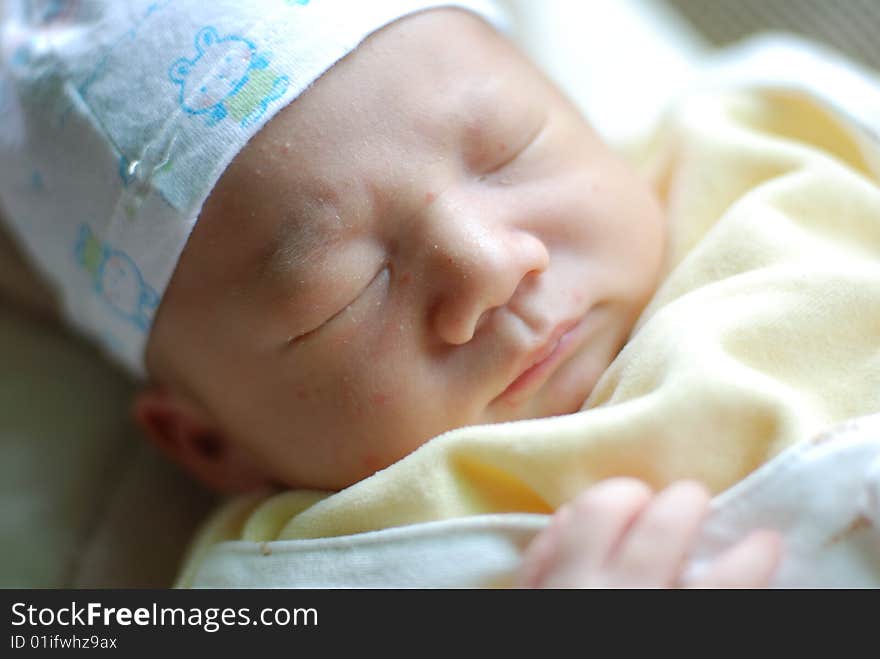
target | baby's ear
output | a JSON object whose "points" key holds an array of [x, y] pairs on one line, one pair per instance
{"points": [[187, 435]]}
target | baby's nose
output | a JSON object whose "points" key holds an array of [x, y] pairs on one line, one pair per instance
{"points": [[475, 265]]}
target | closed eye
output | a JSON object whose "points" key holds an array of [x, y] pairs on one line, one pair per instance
{"points": [[292, 340], [516, 153]]}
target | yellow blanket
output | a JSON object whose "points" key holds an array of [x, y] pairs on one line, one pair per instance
{"points": [[765, 331]]}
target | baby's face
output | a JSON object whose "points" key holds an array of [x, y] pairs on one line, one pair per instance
{"points": [[430, 237]]}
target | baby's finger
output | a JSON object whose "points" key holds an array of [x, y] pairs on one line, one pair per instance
{"points": [[653, 552], [750, 563], [591, 527], [541, 552]]}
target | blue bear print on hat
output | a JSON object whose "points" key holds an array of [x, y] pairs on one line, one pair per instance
{"points": [[227, 77], [116, 279]]}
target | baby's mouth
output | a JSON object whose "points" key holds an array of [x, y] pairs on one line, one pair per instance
{"points": [[543, 361]]}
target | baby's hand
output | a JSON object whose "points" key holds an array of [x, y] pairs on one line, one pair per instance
{"points": [[618, 534]]}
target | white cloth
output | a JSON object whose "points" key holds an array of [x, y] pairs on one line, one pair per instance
{"points": [[119, 117]]}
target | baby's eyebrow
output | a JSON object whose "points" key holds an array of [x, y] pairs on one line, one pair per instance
{"points": [[300, 240]]}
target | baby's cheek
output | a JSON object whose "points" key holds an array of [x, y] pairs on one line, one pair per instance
{"points": [[385, 400]]}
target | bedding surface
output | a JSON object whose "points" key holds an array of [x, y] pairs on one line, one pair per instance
{"points": [[85, 501]]}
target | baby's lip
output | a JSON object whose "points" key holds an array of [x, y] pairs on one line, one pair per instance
{"points": [[538, 364]]}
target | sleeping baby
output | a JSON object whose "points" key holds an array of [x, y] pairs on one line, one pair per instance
{"points": [[430, 243]]}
